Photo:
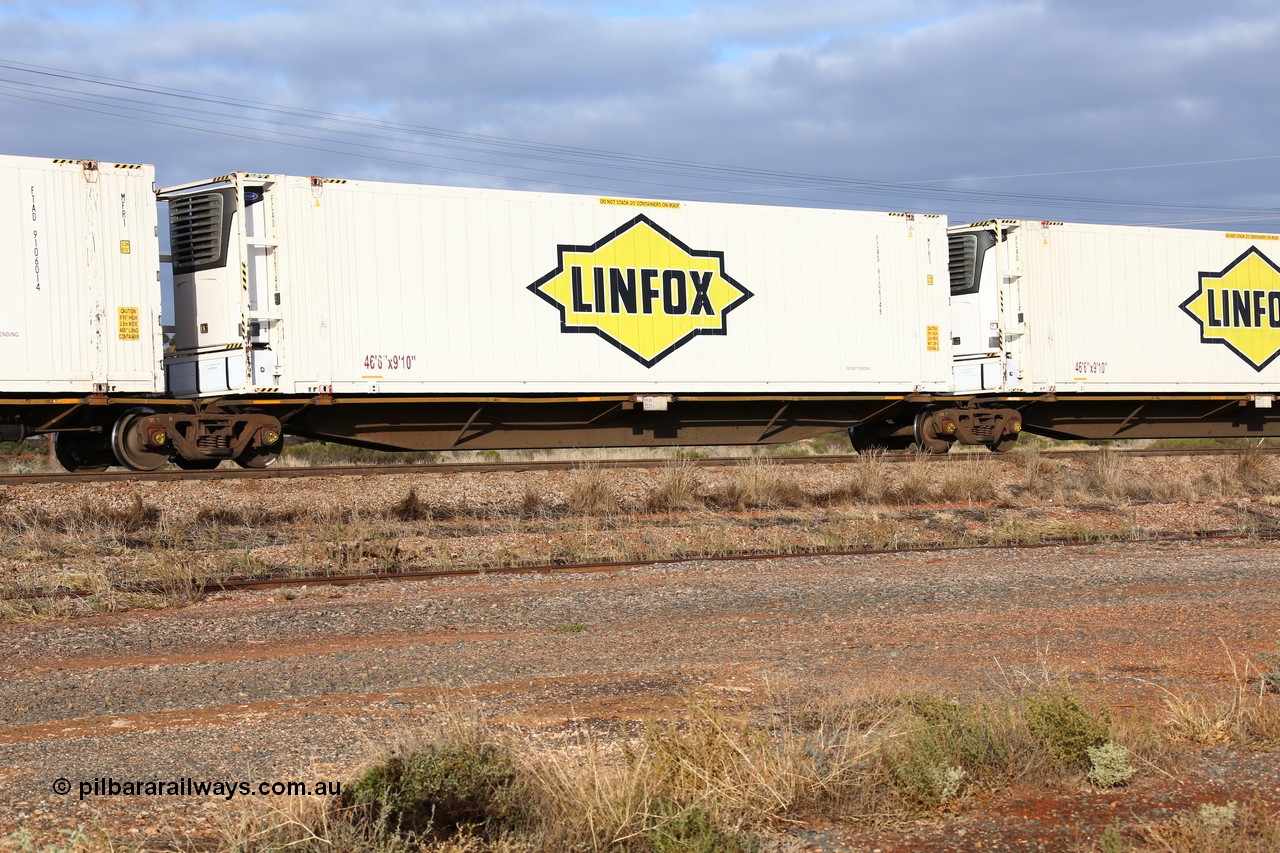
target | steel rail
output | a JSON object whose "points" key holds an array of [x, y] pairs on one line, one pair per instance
{"points": [[121, 476]]}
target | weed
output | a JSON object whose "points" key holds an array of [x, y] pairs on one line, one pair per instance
{"points": [[1269, 672], [131, 518], [1041, 477], [79, 840], [1109, 766], [706, 780], [945, 747], [533, 504], [830, 443], [870, 479], [363, 556], [1252, 472], [321, 453], [239, 564], [255, 516], [1245, 719]]}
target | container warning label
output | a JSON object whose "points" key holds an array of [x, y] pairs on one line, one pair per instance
{"points": [[642, 290], [641, 202], [127, 324], [1239, 307]]}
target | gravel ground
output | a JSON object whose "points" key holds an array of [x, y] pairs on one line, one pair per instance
{"points": [[308, 684], [252, 687]]}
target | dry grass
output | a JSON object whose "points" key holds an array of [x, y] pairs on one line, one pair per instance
{"points": [[913, 482], [1250, 472], [721, 778], [870, 480], [1212, 828], [105, 549], [1245, 718], [1042, 478], [677, 490], [591, 491], [713, 779], [1105, 474], [411, 508], [970, 480], [758, 484]]}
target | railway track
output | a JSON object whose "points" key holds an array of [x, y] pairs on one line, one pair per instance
{"points": [[275, 583], [280, 472]]}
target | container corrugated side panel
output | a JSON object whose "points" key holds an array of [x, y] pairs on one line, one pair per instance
{"points": [[412, 289], [61, 278], [46, 343], [1105, 316]]}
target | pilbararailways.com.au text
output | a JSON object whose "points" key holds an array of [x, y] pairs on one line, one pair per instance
{"points": [[109, 786]]}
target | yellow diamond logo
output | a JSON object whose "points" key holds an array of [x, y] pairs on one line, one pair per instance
{"points": [[1239, 307], [642, 290]]}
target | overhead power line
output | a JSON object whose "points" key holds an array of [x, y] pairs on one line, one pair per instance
{"points": [[564, 166]]}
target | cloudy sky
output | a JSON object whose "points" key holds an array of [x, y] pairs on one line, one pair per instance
{"points": [[1151, 111]]}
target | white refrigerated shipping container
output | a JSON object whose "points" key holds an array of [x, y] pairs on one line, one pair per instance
{"points": [[302, 285], [1054, 307], [79, 274]]}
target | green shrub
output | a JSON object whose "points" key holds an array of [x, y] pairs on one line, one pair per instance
{"points": [[1269, 677], [1112, 840], [438, 789], [1058, 719], [690, 830], [325, 453], [944, 749]]}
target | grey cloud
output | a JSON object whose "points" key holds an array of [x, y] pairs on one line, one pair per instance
{"points": [[913, 91]]}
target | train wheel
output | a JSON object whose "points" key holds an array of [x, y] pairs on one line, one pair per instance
{"points": [[934, 445], [82, 451], [927, 438], [265, 448], [258, 457], [131, 445], [859, 442], [196, 464], [1004, 445]]}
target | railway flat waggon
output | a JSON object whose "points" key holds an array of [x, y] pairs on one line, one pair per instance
{"points": [[401, 316]]}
